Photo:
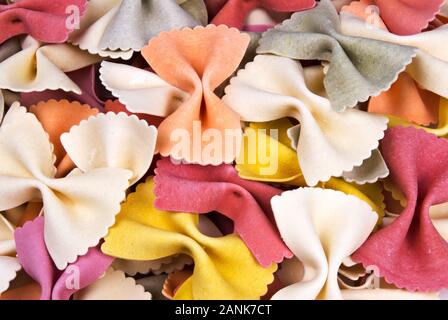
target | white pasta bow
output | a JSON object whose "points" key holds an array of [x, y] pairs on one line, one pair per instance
{"points": [[9, 264], [329, 143], [113, 285], [322, 228], [39, 67], [113, 141], [78, 209]]}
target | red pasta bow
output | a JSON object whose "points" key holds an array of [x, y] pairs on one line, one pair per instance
{"points": [[410, 253], [46, 21], [233, 13], [203, 189], [402, 17]]}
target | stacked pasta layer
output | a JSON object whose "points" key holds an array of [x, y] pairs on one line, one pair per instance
{"points": [[223, 149]]}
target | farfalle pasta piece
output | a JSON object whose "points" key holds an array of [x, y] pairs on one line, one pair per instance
{"points": [[9, 266], [234, 13], [409, 249], [58, 117], [138, 21], [437, 213], [322, 228], [414, 15], [152, 234], [30, 291], [153, 284], [78, 209], [370, 287], [93, 25], [442, 127], [7, 244], [114, 285], [116, 106], [173, 285], [203, 189], [164, 265], [196, 8], [46, 21], [270, 159], [41, 67], [351, 272], [113, 28], [9, 48], [85, 78], [370, 171], [330, 142], [190, 64], [406, 100], [36, 261], [267, 155], [258, 21], [439, 217], [173, 282], [112, 141], [354, 281], [358, 68], [429, 68], [10, 97], [135, 87], [366, 11]]}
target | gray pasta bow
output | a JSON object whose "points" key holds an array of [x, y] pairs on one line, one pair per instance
{"points": [[358, 67], [138, 21]]}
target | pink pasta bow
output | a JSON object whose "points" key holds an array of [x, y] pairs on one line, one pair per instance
{"points": [[55, 284], [46, 21], [402, 17], [202, 189], [410, 253], [233, 13]]}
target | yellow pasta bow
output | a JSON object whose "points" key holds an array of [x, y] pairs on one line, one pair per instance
{"points": [[223, 267]]}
